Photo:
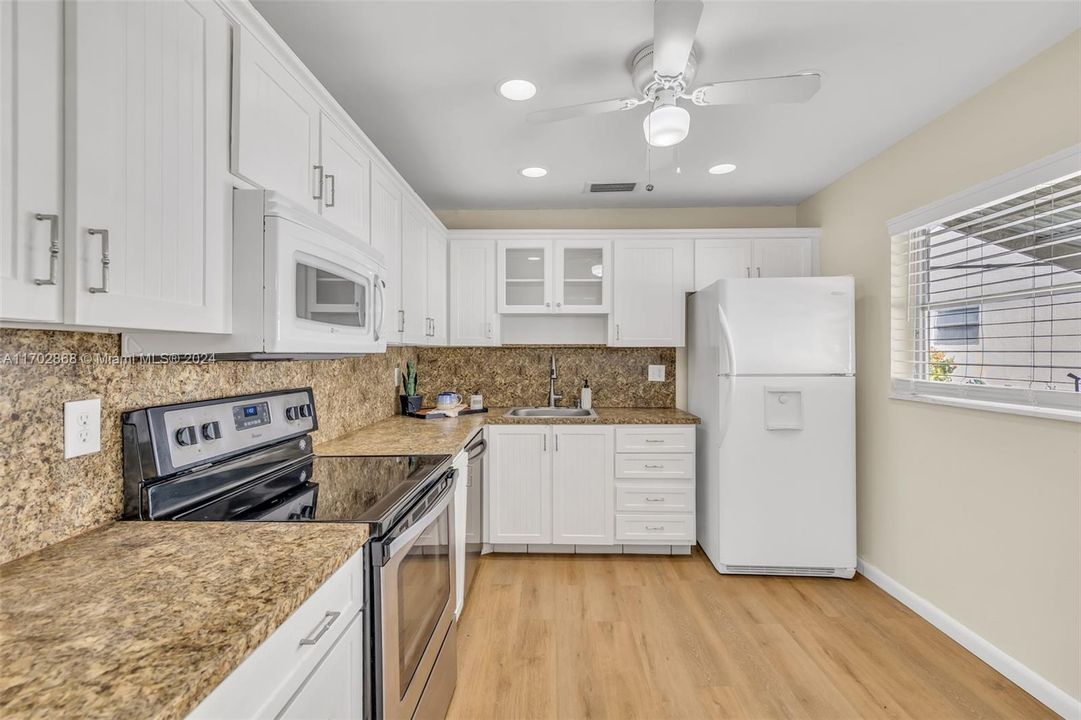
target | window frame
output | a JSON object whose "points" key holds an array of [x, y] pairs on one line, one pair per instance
{"points": [[1031, 402]]}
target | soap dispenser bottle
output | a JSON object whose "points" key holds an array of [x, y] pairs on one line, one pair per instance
{"points": [[587, 396]]}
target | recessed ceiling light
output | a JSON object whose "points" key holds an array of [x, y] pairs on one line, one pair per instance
{"points": [[517, 90], [533, 172], [722, 169], [533, 257]]}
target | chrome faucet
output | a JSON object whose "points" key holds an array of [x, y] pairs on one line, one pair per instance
{"points": [[552, 397]]}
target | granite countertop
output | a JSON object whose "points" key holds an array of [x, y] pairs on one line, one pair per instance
{"points": [[401, 435], [145, 619]]}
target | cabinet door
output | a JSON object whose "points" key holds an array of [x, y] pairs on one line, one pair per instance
{"points": [[386, 213], [346, 175], [582, 275], [149, 119], [651, 279], [520, 484], [524, 271], [437, 286], [472, 293], [582, 485], [784, 257], [717, 259], [414, 317], [276, 126], [31, 160], [334, 690]]}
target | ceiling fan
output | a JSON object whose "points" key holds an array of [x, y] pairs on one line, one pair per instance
{"points": [[663, 72]]}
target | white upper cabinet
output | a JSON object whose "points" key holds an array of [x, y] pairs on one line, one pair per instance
{"points": [[582, 277], [472, 316], [651, 278], [413, 319], [722, 258], [583, 485], [437, 286], [149, 202], [769, 253], [346, 174], [784, 257], [553, 275], [524, 275], [31, 160], [276, 125], [386, 233]]}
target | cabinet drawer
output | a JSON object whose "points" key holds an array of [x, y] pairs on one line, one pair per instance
{"points": [[674, 497], [641, 465], [654, 438], [264, 682], [655, 528]]}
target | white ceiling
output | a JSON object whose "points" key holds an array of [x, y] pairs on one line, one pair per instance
{"points": [[420, 79]]}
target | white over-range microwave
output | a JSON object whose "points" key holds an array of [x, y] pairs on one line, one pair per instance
{"points": [[301, 288]]}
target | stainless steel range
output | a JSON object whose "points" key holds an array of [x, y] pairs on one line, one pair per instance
{"points": [[249, 458]]}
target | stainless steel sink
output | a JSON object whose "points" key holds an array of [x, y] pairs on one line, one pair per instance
{"points": [[551, 412]]}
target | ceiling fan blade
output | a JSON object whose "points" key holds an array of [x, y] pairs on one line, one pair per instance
{"points": [[760, 91], [573, 111], [674, 24]]}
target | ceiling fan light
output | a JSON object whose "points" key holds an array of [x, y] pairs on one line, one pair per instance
{"points": [[666, 125]]}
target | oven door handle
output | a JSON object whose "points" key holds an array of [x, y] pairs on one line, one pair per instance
{"points": [[407, 537]]}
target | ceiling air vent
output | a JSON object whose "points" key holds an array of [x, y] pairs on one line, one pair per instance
{"points": [[611, 187]]}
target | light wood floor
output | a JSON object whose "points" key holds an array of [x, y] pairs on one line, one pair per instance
{"points": [[668, 637]]}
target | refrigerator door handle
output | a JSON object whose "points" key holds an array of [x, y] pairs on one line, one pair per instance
{"points": [[726, 335]]}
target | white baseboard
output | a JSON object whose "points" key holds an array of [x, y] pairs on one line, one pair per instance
{"points": [[1020, 674]]}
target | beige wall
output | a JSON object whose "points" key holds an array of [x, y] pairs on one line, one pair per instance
{"points": [[621, 218], [980, 513]]}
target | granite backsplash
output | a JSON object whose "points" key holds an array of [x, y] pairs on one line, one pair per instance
{"points": [[45, 498], [518, 375]]}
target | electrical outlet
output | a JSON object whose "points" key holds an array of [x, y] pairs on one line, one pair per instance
{"points": [[82, 427], [656, 373]]}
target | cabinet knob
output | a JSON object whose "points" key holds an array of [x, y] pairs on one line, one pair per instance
{"points": [[547, 304], [559, 304]]}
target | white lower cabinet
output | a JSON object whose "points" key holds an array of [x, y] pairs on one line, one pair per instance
{"points": [[572, 484], [520, 489], [582, 480], [310, 667]]}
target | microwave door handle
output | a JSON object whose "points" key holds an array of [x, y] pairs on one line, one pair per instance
{"points": [[379, 285], [406, 539]]}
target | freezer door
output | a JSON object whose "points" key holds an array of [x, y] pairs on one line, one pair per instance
{"points": [[788, 326], [785, 473]]}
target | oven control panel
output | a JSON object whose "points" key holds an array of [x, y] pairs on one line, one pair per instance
{"points": [[192, 434]]}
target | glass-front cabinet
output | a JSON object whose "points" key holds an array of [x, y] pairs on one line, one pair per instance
{"points": [[548, 275]]}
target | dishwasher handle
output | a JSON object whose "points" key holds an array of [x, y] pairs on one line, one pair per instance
{"points": [[477, 449]]}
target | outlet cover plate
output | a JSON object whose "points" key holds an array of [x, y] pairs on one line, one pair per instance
{"points": [[656, 373], [82, 427]]}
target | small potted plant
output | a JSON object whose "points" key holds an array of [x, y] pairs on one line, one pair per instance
{"points": [[410, 399]]}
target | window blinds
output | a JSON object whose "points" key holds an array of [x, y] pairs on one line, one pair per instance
{"points": [[991, 297]]}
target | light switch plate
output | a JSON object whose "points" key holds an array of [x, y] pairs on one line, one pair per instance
{"points": [[82, 427], [397, 376], [656, 373]]}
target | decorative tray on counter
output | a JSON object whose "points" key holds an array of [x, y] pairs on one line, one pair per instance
{"points": [[437, 413]]}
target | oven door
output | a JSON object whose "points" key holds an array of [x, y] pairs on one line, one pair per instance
{"points": [[416, 606], [321, 293]]}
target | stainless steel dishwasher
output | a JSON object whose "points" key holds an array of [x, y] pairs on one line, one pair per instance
{"points": [[474, 518]]}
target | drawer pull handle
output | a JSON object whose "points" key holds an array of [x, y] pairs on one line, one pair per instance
{"points": [[654, 527], [328, 620], [654, 467], [651, 499], [653, 440]]}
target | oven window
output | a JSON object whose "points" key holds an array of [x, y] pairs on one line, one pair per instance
{"points": [[423, 593], [327, 298]]}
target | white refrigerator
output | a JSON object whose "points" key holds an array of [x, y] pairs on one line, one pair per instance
{"points": [[772, 376]]}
